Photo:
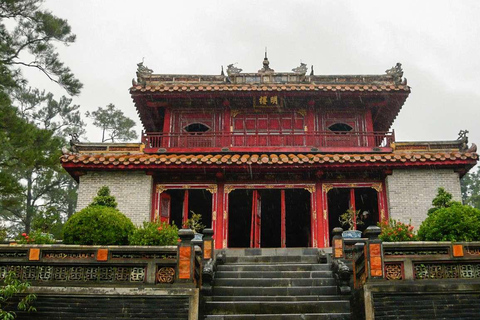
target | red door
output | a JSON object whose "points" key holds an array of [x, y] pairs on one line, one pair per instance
{"points": [[165, 204], [256, 226]]}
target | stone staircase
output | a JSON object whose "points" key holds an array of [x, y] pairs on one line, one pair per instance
{"points": [[275, 284]]}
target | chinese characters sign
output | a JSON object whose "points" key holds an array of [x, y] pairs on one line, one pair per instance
{"points": [[266, 101]]}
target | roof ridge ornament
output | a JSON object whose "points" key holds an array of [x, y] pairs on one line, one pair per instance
{"points": [[143, 69], [231, 69], [266, 64], [142, 73], [396, 72], [302, 69]]}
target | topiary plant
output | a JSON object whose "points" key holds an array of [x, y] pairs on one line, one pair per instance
{"points": [[104, 198], [98, 224], [450, 221], [454, 223], [155, 234]]}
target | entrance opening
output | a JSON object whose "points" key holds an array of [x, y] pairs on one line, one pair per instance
{"points": [[200, 202], [364, 200], [176, 213], [239, 218], [271, 218], [297, 220]]}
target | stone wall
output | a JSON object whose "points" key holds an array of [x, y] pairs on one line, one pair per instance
{"points": [[65, 303], [410, 192], [133, 191]]}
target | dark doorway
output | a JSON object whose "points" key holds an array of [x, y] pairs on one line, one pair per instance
{"points": [[271, 218], [297, 220], [239, 218], [366, 200], [200, 202], [176, 213], [338, 203]]}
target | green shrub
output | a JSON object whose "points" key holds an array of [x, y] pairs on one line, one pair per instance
{"points": [[454, 223], [155, 234], [36, 237], [99, 225], [393, 230]]}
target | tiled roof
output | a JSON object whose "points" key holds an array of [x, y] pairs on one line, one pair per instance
{"points": [[99, 160], [188, 87]]}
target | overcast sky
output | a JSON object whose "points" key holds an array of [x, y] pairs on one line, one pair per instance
{"points": [[437, 43]]}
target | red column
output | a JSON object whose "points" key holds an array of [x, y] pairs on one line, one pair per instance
{"points": [[283, 215], [219, 230], [322, 219]]}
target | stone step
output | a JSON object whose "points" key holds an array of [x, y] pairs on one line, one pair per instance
{"points": [[273, 274], [276, 307], [272, 252], [298, 316], [280, 298], [273, 267], [272, 259], [274, 282], [273, 291]]}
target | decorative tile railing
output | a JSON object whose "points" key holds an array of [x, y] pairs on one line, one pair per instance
{"points": [[51, 264]]}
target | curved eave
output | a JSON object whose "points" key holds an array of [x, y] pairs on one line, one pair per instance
{"points": [[235, 162]]}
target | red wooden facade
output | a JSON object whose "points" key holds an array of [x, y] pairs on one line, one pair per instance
{"points": [[269, 159], [277, 114]]}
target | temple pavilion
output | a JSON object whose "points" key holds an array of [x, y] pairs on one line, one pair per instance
{"points": [[270, 159]]}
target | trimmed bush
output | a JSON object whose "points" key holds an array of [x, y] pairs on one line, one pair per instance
{"points": [[98, 225], [454, 223], [394, 230], [155, 234]]}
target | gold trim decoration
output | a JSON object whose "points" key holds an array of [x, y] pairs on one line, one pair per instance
{"points": [[225, 215], [228, 189], [160, 188], [214, 215], [289, 186], [315, 243], [185, 187], [314, 215], [235, 112], [302, 112], [382, 214], [377, 187], [325, 214], [212, 188], [224, 243], [327, 187], [310, 188]]}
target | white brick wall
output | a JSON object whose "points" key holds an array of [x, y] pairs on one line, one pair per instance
{"points": [[132, 190], [410, 192]]}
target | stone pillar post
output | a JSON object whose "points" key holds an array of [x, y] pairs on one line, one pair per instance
{"points": [[337, 241], [185, 256], [374, 253]]}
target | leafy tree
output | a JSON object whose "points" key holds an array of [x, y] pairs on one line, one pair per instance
{"points": [[470, 184], [114, 124], [29, 35], [37, 182]]}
